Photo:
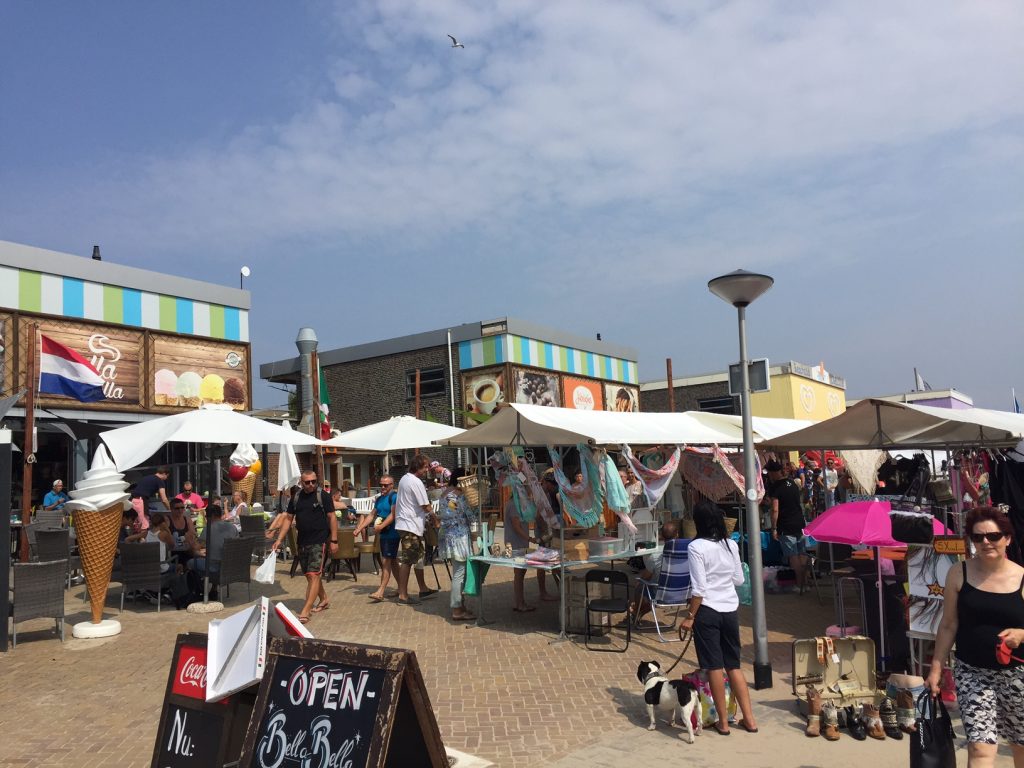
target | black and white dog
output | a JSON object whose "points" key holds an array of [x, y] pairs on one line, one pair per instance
{"points": [[662, 693]]}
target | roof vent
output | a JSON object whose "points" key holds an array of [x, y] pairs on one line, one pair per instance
{"points": [[96, 253]]}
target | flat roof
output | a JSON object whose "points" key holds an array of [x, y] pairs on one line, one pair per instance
{"points": [[287, 369], [109, 273], [790, 367], [911, 397]]}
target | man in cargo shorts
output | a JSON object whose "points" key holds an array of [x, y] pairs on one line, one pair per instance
{"points": [[312, 512], [412, 514]]}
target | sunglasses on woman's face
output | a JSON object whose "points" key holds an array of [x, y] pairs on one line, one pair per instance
{"points": [[992, 537]]}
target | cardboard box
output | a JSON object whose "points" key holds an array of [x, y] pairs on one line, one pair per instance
{"points": [[575, 533], [577, 550]]}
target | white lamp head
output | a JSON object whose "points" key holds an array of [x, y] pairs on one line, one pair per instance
{"points": [[740, 288]]}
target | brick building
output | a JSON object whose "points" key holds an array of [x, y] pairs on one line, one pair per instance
{"points": [[465, 373]]}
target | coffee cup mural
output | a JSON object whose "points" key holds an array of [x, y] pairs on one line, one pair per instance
{"points": [[486, 395], [483, 391]]}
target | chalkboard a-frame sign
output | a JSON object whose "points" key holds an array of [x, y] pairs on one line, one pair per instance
{"points": [[323, 704], [194, 733]]}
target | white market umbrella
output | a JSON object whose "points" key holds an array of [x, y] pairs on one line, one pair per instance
{"points": [[287, 463], [132, 445], [399, 433]]}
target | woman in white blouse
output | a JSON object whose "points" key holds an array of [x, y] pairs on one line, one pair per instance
{"points": [[715, 572]]}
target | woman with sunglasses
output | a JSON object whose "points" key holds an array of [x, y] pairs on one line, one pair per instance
{"points": [[983, 612]]}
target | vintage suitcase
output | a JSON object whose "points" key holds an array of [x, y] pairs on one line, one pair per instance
{"points": [[848, 679]]}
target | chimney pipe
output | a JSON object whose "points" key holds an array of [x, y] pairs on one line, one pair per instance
{"points": [[96, 253]]}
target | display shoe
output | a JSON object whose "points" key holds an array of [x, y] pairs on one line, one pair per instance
{"points": [[854, 725], [887, 711], [829, 721], [813, 712], [872, 722], [906, 713]]}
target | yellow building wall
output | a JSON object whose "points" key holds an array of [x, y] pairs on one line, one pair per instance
{"points": [[795, 397]]}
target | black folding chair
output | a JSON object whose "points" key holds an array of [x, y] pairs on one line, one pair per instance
{"points": [[617, 584]]}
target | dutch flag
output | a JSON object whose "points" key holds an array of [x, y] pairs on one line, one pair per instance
{"points": [[62, 371]]}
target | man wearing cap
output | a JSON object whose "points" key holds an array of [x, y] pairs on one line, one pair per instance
{"points": [[55, 499], [441, 475], [788, 520]]}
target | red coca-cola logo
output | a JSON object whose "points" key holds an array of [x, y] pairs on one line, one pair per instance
{"points": [[190, 673]]}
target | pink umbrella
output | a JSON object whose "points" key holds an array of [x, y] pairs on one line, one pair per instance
{"points": [[862, 522]]}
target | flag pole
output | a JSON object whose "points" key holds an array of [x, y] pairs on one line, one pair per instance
{"points": [[28, 454]]}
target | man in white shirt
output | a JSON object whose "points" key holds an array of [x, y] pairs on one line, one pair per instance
{"points": [[412, 514]]}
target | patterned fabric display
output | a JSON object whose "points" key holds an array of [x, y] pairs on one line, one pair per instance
{"points": [[655, 481], [579, 502], [615, 495], [714, 473]]}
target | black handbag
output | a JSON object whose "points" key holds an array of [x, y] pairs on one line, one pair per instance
{"points": [[932, 746], [912, 527]]}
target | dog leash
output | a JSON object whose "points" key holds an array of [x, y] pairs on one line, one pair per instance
{"points": [[686, 636]]}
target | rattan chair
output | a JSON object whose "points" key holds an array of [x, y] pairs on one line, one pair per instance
{"points": [[347, 553], [235, 565], [50, 518], [55, 544], [39, 593], [140, 570], [254, 527]]}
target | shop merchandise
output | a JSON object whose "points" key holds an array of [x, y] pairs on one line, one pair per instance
{"points": [[654, 481]]}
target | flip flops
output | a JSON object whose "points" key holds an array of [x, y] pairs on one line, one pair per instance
{"points": [[526, 609], [321, 607], [464, 617], [303, 619]]}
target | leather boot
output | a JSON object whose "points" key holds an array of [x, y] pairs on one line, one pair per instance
{"points": [[813, 712], [872, 722], [829, 721], [853, 724], [906, 713], [887, 711]]}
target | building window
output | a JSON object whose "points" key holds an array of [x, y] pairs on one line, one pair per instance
{"points": [[717, 405], [432, 383]]}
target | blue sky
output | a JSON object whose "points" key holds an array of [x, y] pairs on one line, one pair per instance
{"points": [[587, 165]]}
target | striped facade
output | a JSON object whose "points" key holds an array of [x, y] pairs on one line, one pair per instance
{"points": [[40, 292], [509, 348]]}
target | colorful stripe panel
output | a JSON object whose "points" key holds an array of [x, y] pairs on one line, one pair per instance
{"points": [[519, 350], [28, 291]]}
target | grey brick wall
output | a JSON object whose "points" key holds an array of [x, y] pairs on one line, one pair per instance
{"points": [[686, 398], [367, 391]]}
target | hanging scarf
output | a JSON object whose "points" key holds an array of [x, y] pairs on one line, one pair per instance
{"points": [[615, 496], [654, 481], [515, 473], [579, 501], [715, 474]]}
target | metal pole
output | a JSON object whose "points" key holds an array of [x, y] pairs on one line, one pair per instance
{"points": [[762, 662], [28, 455], [671, 386], [5, 531]]}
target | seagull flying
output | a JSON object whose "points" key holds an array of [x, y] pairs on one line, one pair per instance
{"points": [[455, 43]]}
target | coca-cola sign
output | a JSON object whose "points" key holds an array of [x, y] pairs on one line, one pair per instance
{"points": [[190, 673]]}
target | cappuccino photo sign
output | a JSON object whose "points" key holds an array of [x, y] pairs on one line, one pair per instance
{"points": [[193, 732], [324, 703]]}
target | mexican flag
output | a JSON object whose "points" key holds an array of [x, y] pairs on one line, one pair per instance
{"points": [[325, 407]]}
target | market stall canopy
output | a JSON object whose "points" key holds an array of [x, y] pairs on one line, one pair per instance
{"points": [[545, 425], [874, 423], [131, 446], [398, 433]]}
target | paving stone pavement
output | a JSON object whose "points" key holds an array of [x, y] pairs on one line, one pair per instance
{"points": [[504, 692]]}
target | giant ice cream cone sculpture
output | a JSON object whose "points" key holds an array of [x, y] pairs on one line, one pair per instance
{"points": [[243, 467], [97, 502]]}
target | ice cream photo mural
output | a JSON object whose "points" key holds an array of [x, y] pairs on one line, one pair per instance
{"points": [[188, 373]]}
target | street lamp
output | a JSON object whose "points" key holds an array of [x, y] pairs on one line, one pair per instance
{"points": [[741, 288], [243, 273]]}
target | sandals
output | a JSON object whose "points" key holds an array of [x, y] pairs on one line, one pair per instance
{"points": [[321, 607], [464, 617], [719, 731], [525, 609], [303, 619]]}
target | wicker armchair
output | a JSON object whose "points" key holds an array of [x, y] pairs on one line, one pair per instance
{"points": [[140, 569], [39, 593], [235, 565], [50, 518], [55, 544]]}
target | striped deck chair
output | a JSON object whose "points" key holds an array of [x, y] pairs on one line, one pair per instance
{"points": [[672, 589]]}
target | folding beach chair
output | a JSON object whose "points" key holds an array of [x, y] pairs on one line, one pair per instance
{"points": [[672, 589]]}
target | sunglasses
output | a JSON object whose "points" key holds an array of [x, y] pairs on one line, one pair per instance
{"points": [[385, 485], [991, 537], [309, 482]]}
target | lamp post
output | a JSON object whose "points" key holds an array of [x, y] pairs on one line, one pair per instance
{"points": [[741, 288], [243, 273]]}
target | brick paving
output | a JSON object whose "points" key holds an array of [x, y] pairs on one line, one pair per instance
{"points": [[503, 692]]}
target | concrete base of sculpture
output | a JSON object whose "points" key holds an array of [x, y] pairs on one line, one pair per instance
{"points": [[89, 631], [211, 607]]}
